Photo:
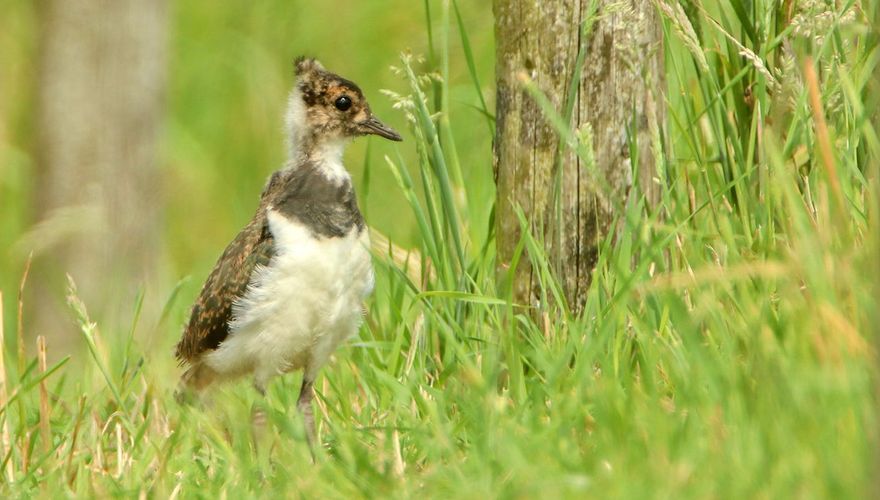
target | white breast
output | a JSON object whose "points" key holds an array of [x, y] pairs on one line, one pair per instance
{"points": [[301, 306]]}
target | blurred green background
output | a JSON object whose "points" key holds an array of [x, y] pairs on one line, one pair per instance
{"points": [[229, 75], [727, 345]]}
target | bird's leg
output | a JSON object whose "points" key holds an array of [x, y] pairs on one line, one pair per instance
{"points": [[304, 405], [258, 412], [259, 420]]}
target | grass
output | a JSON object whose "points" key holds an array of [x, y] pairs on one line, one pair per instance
{"points": [[726, 348]]}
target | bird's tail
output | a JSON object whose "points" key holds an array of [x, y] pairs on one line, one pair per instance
{"points": [[193, 381]]}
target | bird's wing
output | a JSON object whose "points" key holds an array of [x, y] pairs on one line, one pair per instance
{"points": [[209, 322]]}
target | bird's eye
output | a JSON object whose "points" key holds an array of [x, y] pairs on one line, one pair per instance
{"points": [[343, 103]]}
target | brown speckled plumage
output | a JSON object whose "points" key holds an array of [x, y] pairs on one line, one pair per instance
{"points": [[209, 320]]}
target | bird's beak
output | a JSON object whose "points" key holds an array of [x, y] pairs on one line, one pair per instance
{"points": [[374, 126]]}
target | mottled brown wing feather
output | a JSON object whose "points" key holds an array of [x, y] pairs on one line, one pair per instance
{"points": [[209, 322]]}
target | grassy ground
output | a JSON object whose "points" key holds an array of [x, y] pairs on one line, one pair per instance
{"points": [[726, 349]]}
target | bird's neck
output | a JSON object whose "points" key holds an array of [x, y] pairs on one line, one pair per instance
{"points": [[307, 147]]}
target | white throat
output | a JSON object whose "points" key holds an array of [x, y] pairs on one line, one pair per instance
{"points": [[328, 156]]}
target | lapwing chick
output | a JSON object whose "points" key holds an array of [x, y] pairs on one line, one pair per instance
{"points": [[290, 287]]}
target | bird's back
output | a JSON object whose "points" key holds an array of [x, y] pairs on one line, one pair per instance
{"points": [[210, 316]]}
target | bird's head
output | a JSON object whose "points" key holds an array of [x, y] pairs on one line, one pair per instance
{"points": [[325, 107]]}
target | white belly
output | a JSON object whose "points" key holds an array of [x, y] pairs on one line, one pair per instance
{"points": [[300, 307]]}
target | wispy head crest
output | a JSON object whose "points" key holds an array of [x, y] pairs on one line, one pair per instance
{"points": [[304, 65]]}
